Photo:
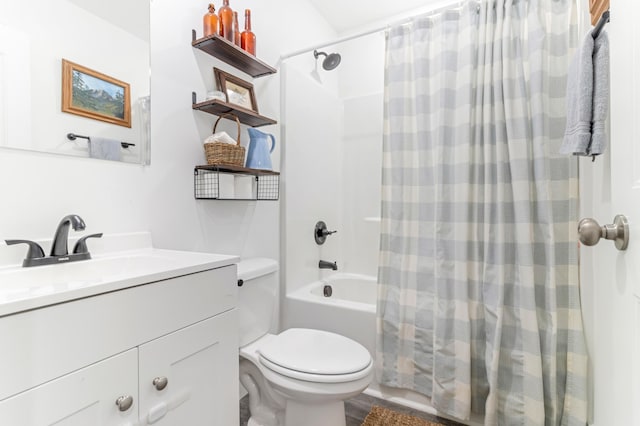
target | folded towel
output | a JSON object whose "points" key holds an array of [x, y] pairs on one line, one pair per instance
{"points": [[600, 94], [220, 137], [105, 148], [588, 98]]}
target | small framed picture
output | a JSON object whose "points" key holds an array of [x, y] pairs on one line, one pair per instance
{"points": [[95, 95], [238, 91]]}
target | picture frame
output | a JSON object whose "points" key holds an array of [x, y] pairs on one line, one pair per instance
{"points": [[236, 90], [95, 95]]}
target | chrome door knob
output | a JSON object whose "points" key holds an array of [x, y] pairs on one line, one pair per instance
{"points": [[590, 232]]}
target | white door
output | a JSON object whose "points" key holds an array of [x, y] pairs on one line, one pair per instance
{"points": [[190, 377], [610, 279], [85, 397]]}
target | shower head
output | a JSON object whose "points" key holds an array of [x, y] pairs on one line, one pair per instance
{"points": [[331, 61]]}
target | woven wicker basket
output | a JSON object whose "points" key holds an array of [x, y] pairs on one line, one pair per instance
{"points": [[225, 153]]}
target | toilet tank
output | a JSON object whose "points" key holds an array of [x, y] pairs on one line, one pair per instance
{"points": [[257, 297]]}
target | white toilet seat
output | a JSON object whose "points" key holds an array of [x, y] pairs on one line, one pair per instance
{"points": [[315, 356], [316, 378]]}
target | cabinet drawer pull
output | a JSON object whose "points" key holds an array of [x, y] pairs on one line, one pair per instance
{"points": [[124, 402], [160, 383]]}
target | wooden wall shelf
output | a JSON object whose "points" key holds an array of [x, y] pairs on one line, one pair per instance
{"points": [[223, 168], [232, 55], [218, 107]]}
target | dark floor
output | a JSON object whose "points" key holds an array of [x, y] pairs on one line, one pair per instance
{"points": [[357, 409]]}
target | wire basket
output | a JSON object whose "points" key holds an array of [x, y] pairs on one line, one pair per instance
{"points": [[209, 184], [225, 153]]}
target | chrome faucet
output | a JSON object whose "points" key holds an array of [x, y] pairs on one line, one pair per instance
{"points": [[61, 237], [323, 264], [59, 248]]}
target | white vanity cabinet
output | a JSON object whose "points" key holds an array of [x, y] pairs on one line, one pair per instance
{"points": [[162, 353]]}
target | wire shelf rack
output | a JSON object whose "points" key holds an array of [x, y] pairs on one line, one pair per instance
{"points": [[221, 182]]}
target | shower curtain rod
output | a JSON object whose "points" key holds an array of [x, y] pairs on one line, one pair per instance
{"points": [[445, 5]]}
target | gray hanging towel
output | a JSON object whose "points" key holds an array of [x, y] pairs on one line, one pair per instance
{"points": [[588, 98], [600, 94]]}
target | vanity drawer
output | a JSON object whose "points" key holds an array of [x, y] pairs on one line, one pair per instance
{"points": [[40, 345]]}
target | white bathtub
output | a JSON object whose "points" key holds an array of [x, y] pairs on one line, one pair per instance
{"points": [[350, 310]]}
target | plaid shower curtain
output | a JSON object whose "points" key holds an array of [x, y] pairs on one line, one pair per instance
{"points": [[478, 303]]}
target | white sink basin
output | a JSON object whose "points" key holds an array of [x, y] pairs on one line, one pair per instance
{"points": [[29, 288]]}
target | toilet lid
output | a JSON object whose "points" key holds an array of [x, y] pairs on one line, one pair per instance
{"points": [[315, 352]]}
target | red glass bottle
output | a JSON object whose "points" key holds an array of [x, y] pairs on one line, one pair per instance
{"points": [[248, 39], [210, 21], [225, 17], [236, 30]]}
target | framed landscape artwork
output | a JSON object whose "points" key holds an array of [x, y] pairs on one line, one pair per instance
{"points": [[91, 94]]}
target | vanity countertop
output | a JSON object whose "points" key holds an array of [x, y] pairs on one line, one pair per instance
{"points": [[23, 289]]}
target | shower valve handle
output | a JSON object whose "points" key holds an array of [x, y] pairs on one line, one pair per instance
{"points": [[590, 232], [321, 232]]}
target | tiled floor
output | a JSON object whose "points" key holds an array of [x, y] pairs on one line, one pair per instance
{"points": [[357, 409]]}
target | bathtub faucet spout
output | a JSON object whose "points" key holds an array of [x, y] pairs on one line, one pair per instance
{"points": [[323, 264]]}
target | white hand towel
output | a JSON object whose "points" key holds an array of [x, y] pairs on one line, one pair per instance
{"points": [[105, 148]]}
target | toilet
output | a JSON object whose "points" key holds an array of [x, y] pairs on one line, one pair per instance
{"points": [[300, 377]]}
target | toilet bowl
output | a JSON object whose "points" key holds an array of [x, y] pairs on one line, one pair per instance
{"points": [[299, 377]]}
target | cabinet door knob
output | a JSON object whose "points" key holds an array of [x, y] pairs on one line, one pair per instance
{"points": [[124, 402], [160, 383]]}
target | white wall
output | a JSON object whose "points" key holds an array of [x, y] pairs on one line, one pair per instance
{"points": [[38, 189]]}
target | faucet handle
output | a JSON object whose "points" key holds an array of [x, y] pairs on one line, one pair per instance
{"points": [[81, 244], [321, 232], [35, 251]]}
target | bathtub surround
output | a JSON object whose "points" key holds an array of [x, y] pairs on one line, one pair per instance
{"points": [[478, 299], [334, 176]]}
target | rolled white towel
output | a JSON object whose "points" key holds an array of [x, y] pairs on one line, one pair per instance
{"points": [[220, 137]]}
